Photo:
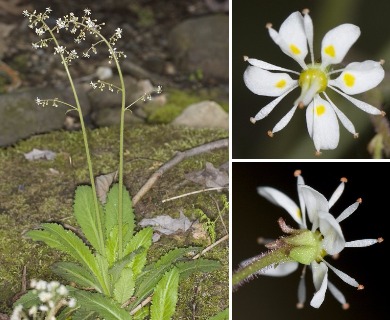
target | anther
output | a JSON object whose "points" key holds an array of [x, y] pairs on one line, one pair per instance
{"points": [[253, 120], [360, 287], [300, 305], [382, 61], [297, 173], [246, 58], [380, 240], [345, 306], [305, 11], [268, 25], [301, 105], [383, 113], [270, 133], [359, 200], [344, 179], [318, 153], [356, 135]]}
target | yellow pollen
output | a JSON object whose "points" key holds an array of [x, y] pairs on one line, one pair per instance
{"points": [[320, 110], [329, 50], [294, 49], [299, 215], [281, 84], [349, 80]]}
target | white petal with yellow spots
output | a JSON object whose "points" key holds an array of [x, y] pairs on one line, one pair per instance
{"points": [[322, 124], [337, 42], [266, 83], [291, 37], [359, 77]]}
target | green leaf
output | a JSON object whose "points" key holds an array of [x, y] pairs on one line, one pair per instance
{"points": [[76, 273], [68, 242], [85, 213], [111, 212], [102, 305], [165, 296], [124, 287], [57, 237], [82, 314], [223, 315], [142, 313], [116, 270], [142, 239], [112, 245], [199, 265], [29, 299], [153, 273]]}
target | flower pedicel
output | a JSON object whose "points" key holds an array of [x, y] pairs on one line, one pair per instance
{"points": [[295, 33]]}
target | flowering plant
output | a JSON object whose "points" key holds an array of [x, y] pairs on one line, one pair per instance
{"points": [[295, 38], [306, 245]]}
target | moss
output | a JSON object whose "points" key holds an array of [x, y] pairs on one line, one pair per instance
{"points": [[32, 192]]}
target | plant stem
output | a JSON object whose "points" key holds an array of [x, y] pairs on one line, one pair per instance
{"points": [[101, 249], [260, 263]]}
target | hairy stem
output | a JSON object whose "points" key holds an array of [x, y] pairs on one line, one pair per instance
{"points": [[259, 263]]}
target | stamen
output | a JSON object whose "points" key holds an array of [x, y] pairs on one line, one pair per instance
{"points": [[380, 240], [382, 61], [306, 11], [343, 179], [360, 287], [246, 58], [253, 120], [359, 200], [383, 113], [356, 135], [297, 173], [301, 105], [345, 306], [268, 25], [318, 153], [270, 133]]}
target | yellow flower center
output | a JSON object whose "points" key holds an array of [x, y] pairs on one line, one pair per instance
{"points": [[313, 75]]}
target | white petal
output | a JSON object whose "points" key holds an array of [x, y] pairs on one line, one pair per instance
{"points": [[334, 241], [301, 182], [337, 293], [283, 269], [320, 279], [267, 66], [337, 42], [342, 117], [347, 212], [265, 111], [359, 77], [308, 25], [361, 243], [265, 83], [292, 38], [322, 124], [280, 199], [343, 276], [336, 194], [285, 120], [360, 104], [302, 289], [315, 202]]}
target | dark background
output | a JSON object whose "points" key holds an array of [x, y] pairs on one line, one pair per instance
{"points": [[253, 216], [250, 37]]}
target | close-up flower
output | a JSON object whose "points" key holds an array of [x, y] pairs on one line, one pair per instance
{"points": [[310, 245], [295, 38]]}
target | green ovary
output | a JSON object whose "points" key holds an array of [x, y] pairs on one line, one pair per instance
{"points": [[306, 246], [313, 75]]}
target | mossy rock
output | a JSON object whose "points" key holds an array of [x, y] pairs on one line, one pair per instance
{"points": [[33, 192]]}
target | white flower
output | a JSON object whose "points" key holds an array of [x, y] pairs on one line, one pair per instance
{"points": [[294, 37], [59, 50], [87, 11], [118, 32], [317, 208]]}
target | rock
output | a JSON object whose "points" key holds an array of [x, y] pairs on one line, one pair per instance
{"points": [[205, 114], [21, 117], [202, 44], [111, 116]]}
